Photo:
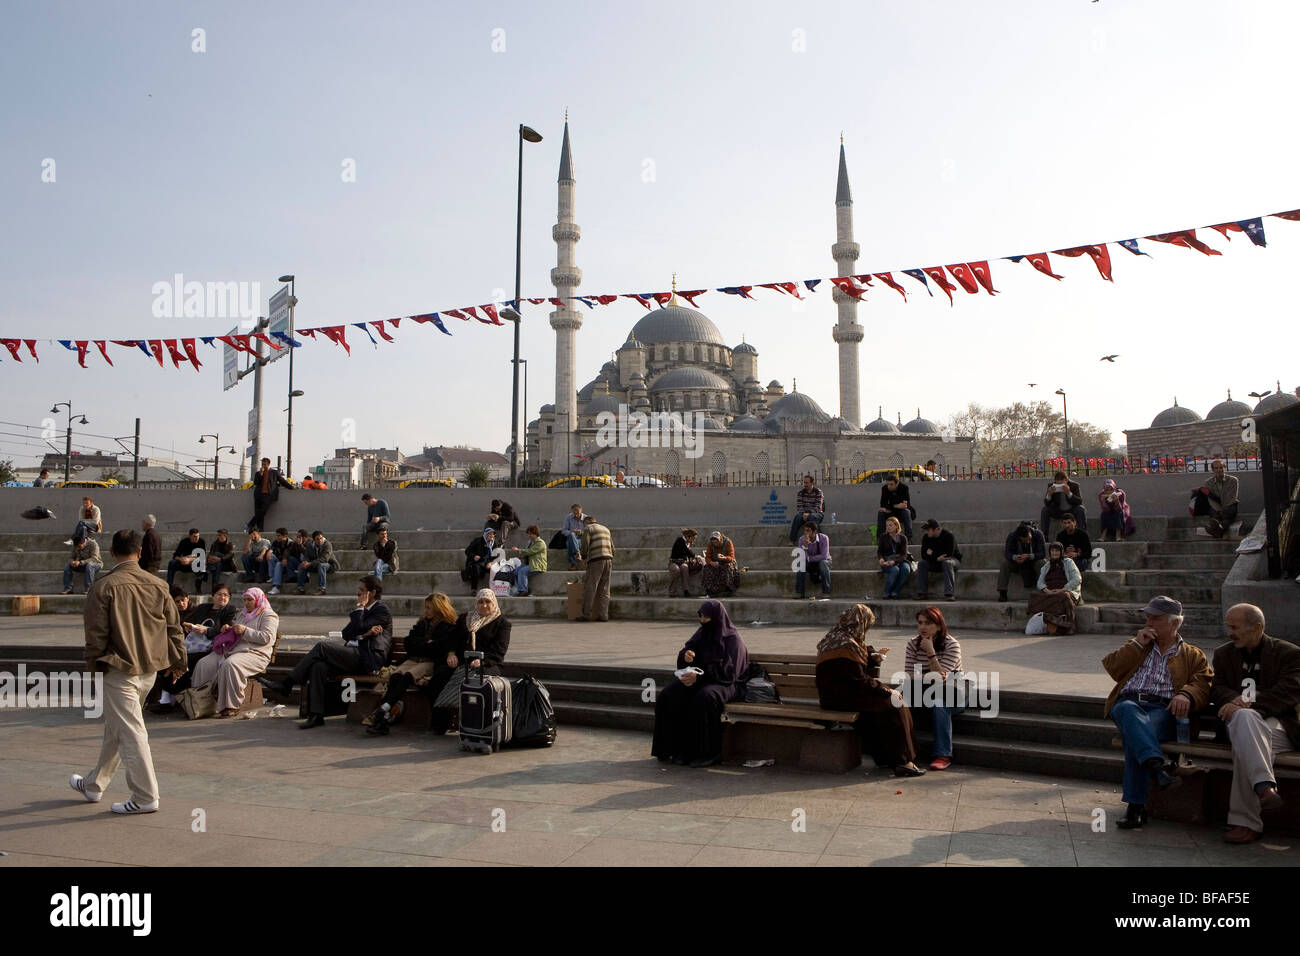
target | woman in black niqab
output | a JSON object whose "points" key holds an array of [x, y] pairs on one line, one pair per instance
{"points": [[688, 712]]}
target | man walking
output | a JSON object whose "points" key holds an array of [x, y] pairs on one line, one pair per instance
{"points": [[377, 517], [133, 630], [598, 548], [266, 491], [1256, 688]]}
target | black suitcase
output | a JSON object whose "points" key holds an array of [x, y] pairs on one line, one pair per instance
{"points": [[486, 714]]}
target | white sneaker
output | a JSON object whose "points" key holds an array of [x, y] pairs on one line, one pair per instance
{"points": [[132, 807], [274, 591], [78, 783], [67, 541]]}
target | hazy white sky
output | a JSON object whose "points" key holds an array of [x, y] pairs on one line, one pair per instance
{"points": [[973, 130]]}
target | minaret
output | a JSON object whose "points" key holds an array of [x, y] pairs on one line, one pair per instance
{"points": [[566, 320], [847, 332]]}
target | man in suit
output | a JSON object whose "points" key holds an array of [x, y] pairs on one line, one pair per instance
{"points": [[133, 630], [318, 557], [266, 491], [1256, 689]]}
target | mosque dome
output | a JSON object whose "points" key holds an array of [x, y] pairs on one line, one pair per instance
{"points": [[746, 348], [548, 408], [1279, 399], [920, 426], [711, 425], [746, 423], [689, 377], [881, 425], [796, 407], [1228, 409], [1175, 414], [591, 389], [676, 323], [602, 403]]}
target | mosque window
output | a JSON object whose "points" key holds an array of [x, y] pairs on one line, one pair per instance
{"points": [[673, 464], [697, 355], [859, 463], [896, 460], [762, 465], [719, 463], [939, 460]]}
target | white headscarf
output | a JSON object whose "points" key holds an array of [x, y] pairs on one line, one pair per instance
{"points": [[474, 620]]}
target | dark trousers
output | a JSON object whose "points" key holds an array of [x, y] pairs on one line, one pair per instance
{"points": [[796, 526], [181, 683], [323, 661], [1028, 571], [261, 505]]}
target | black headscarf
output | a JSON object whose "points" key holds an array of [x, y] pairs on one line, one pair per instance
{"points": [[719, 650]]}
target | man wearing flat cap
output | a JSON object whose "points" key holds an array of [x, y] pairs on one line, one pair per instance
{"points": [[1159, 678]]}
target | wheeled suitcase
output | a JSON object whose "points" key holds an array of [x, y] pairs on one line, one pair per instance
{"points": [[486, 714]]}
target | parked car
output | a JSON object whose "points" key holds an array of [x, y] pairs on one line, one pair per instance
{"points": [[89, 483], [637, 481], [581, 481], [879, 475], [432, 483]]}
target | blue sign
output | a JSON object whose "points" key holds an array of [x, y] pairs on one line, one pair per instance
{"points": [[775, 511]]}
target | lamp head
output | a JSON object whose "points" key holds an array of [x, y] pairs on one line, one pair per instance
{"points": [[286, 278], [509, 314], [83, 421], [530, 134], [297, 393]]}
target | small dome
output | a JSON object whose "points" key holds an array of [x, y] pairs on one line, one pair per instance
{"points": [[881, 425], [690, 377], [548, 409], [676, 323], [746, 423], [632, 343], [595, 387], [609, 369], [711, 425], [602, 403], [1228, 409], [1279, 399], [746, 348], [844, 425], [775, 384], [798, 407], [1175, 414], [920, 426]]}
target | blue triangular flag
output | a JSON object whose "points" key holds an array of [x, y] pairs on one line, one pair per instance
{"points": [[919, 275], [284, 337], [585, 301], [1132, 246], [67, 344], [438, 322], [207, 340], [1254, 228], [362, 327], [1013, 258], [811, 284]]}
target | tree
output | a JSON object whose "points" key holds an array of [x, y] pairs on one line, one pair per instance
{"points": [[113, 474], [477, 475], [7, 471], [1026, 432]]}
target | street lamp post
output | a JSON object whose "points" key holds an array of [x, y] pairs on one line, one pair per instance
{"points": [[288, 442], [1065, 411], [216, 454], [524, 467], [532, 136], [67, 453]]}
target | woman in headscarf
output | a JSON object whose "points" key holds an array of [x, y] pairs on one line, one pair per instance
{"points": [[711, 671], [935, 652], [683, 563], [1060, 588], [242, 650], [721, 576], [433, 651], [478, 555], [1116, 519], [482, 628], [894, 557], [848, 678]]}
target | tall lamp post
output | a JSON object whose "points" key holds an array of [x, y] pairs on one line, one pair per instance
{"points": [[532, 136], [288, 442], [1065, 411], [216, 454], [524, 459], [67, 454]]}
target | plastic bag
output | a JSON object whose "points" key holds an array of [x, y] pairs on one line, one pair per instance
{"points": [[1036, 624], [534, 715]]}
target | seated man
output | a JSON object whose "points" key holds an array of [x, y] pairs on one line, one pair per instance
{"points": [[572, 532], [816, 548], [221, 558], [1062, 498], [85, 560], [1022, 554], [367, 640], [284, 557], [533, 556], [809, 505], [1223, 490], [1256, 688], [385, 554], [318, 557], [1075, 541], [183, 559], [502, 520], [894, 503], [377, 516], [257, 551], [938, 553], [1159, 679]]}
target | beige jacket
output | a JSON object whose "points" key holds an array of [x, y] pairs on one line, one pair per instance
{"points": [[258, 637], [1189, 671], [131, 622]]}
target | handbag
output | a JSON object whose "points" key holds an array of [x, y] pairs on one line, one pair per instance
{"points": [[198, 701], [449, 696]]}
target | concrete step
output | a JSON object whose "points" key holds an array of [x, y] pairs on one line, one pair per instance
{"points": [[1035, 728], [1052, 760], [605, 715], [1216, 564]]}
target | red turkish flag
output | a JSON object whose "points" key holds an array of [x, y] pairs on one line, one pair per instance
{"points": [[864, 279], [82, 345], [1099, 254], [663, 298], [491, 312], [174, 351], [1187, 239], [379, 327], [336, 335], [963, 274], [690, 296], [846, 285], [155, 346], [456, 314], [394, 322], [1293, 215], [535, 301], [640, 298], [193, 356], [941, 280], [470, 310], [790, 287], [31, 347], [982, 275], [602, 299], [103, 350], [262, 337], [1224, 228], [1041, 262], [888, 279], [12, 346], [774, 286]]}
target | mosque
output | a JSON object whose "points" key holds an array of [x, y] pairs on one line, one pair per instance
{"points": [[1180, 432], [676, 360]]}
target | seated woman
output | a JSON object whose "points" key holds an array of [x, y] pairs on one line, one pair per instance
{"points": [[533, 556], [894, 558], [478, 555], [848, 678], [1060, 589], [240, 651], [486, 629], [683, 563], [1116, 518], [688, 712], [201, 623], [721, 576], [934, 651], [817, 560], [433, 651], [367, 641]]}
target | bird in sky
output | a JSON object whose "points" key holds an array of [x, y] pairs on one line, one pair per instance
{"points": [[1261, 394], [1032, 384], [1110, 358]]}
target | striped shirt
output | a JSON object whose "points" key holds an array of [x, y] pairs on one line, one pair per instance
{"points": [[810, 500], [914, 657], [1152, 676], [597, 542]]}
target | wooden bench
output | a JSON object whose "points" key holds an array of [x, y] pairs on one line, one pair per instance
{"points": [[418, 707], [796, 731]]}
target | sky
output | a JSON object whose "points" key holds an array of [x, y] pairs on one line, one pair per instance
{"points": [[705, 141]]}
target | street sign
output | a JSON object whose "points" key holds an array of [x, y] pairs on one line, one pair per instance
{"points": [[278, 316], [230, 364], [252, 425]]}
